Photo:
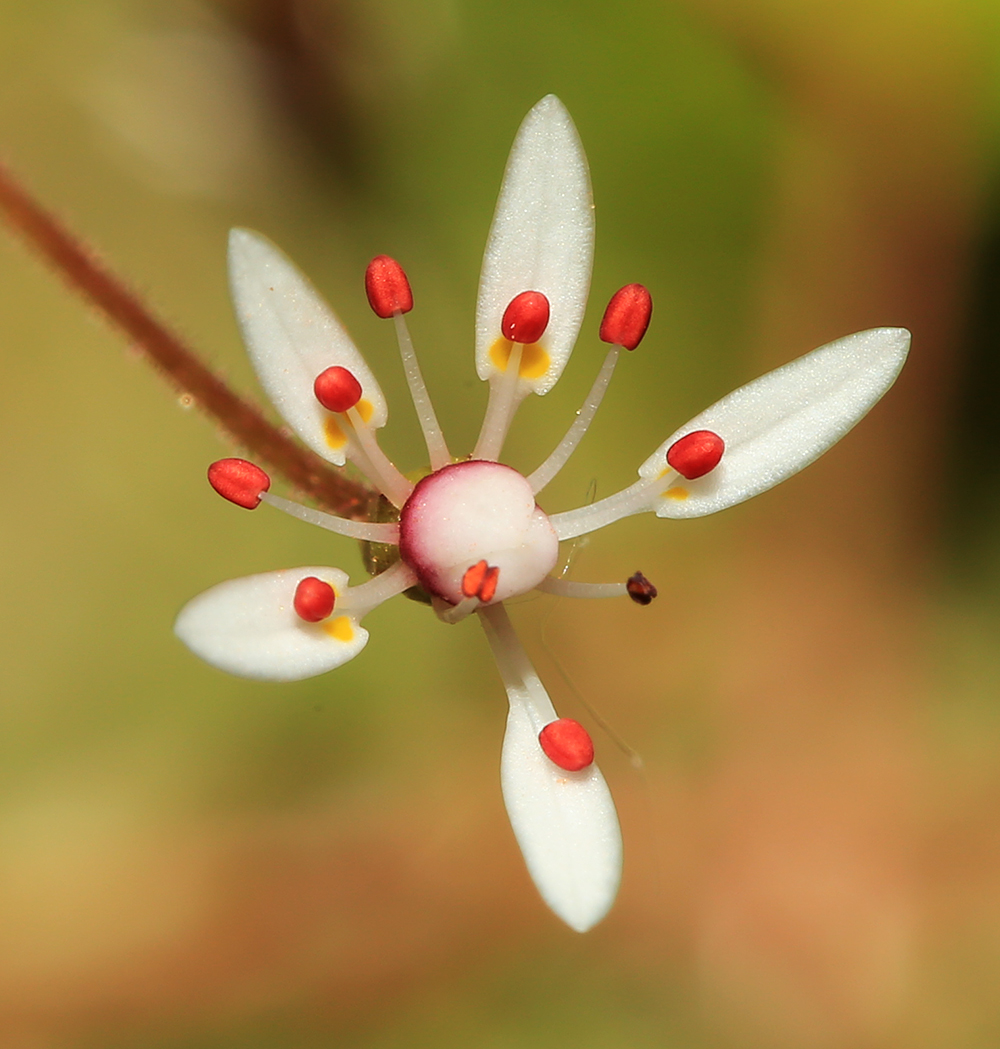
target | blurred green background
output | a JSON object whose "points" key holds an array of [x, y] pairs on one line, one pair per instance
{"points": [[813, 851]]}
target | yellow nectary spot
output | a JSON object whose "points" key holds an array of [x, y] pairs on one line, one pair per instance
{"points": [[335, 436], [365, 409], [676, 493], [535, 360], [339, 628]]}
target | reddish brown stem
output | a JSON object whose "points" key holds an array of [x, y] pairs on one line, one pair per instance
{"points": [[244, 422]]}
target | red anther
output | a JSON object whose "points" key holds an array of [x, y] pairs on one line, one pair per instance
{"points": [[489, 585], [567, 744], [314, 599], [627, 316], [387, 288], [238, 481], [695, 454], [337, 389], [640, 589], [526, 318], [473, 579]]}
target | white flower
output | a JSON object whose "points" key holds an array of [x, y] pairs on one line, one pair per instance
{"points": [[470, 533]]}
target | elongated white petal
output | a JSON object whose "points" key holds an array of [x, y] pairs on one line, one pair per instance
{"points": [[292, 336], [542, 239], [564, 822], [781, 422], [249, 627]]}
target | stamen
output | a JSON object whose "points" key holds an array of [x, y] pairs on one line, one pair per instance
{"points": [[389, 295], [627, 316], [373, 531], [640, 589], [337, 389], [314, 600], [571, 588], [239, 481], [636, 499], [526, 318], [387, 288], [437, 449], [584, 417], [567, 744], [696, 454]]}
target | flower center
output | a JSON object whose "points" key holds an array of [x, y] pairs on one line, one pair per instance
{"points": [[471, 512]]}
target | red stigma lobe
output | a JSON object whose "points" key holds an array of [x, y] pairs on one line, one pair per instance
{"points": [[696, 454], [640, 589], [627, 316], [526, 318], [489, 585], [238, 481], [473, 579], [567, 744], [481, 581], [337, 389], [387, 288], [314, 599]]}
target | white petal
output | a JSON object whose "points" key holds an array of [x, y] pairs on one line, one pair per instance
{"points": [[248, 627], [291, 336], [781, 422], [542, 238], [564, 822]]}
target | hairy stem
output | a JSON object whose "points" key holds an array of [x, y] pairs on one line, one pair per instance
{"points": [[243, 421]]}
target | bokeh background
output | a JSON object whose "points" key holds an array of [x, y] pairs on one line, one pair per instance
{"points": [[189, 861]]}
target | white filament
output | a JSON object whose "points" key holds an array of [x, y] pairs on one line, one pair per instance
{"points": [[393, 485], [636, 499], [437, 449], [362, 599], [374, 532], [584, 417], [500, 408], [571, 588], [455, 613]]}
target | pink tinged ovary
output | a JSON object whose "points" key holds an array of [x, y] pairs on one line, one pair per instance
{"points": [[473, 511]]}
